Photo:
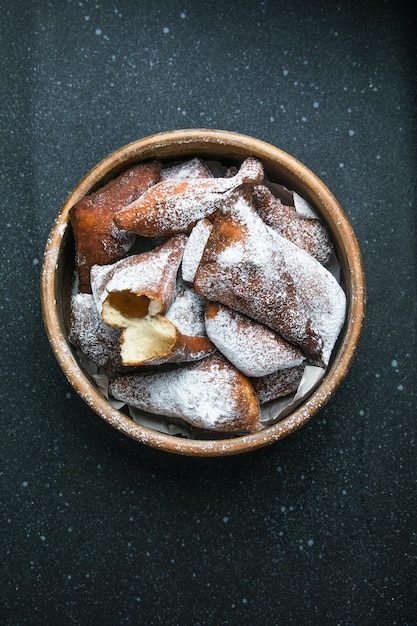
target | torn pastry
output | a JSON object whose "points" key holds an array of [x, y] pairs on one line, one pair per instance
{"points": [[187, 314], [177, 337], [175, 206], [99, 342], [278, 384], [134, 293], [250, 268], [209, 394], [253, 348], [97, 238], [309, 234]]}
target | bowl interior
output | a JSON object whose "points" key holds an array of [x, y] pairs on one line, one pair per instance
{"points": [[229, 148]]}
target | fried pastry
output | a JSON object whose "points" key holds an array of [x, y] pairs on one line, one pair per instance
{"points": [[250, 268], [195, 168], [307, 233], [175, 206], [187, 314], [135, 292], [99, 342], [182, 329], [209, 394], [253, 348], [97, 238], [193, 251], [278, 384]]}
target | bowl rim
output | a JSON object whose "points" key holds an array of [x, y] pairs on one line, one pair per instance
{"points": [[192, 141]]}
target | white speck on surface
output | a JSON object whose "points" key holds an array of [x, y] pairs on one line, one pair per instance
{"points": [[316, 105], [285, 72], [165, 30], [183, 15], [25, 483], [98, 31], [394, 363], [341, 165], [400, 387], [310, 543], [225, 520], [351, 133], [35, 262]]}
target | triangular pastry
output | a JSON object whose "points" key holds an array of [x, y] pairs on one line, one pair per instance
{"points": [[174, 206], [134, 293], [307, 233], [250, 268], [209, 394], [99, 342], [98, 241], [253, 348]]}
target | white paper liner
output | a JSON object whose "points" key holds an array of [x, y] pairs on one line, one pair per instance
{"points": [[271, 412]]}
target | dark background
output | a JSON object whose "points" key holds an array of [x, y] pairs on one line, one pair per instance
{"points": [[317, 529]]}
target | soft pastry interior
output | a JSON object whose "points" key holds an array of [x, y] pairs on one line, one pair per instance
{"points": [[221, 304]]}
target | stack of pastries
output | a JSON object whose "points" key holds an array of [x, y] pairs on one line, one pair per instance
{"points": [[200, 293]]}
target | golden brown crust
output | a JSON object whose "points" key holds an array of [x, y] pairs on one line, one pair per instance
{"points": [[253, 348], [184, 330], [251, 269], [175, 206], [98, 342], [98, 241], [210, 394], [307, 233], [131, 283], [278, 384]]}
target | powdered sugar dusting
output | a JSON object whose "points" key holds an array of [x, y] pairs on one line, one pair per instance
{"points": [[256, 269], [175, 205], [203, 394], [91, 335], [194, 248], [275, 282], [152, 273], [187, 312], [195, 168], [252, 347]]}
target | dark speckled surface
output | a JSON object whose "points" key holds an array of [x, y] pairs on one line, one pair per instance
{"points": [[317, 529]]}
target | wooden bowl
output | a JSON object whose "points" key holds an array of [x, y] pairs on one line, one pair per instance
{"points": [[58, 272]]}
